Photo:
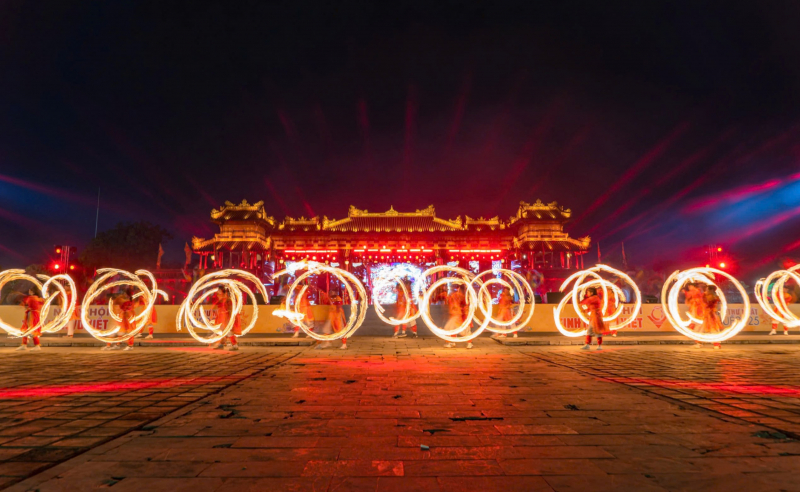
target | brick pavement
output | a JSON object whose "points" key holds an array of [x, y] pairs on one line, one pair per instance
{"points": [[160, 340], [492, 418], [56, 404], [756, 384]]}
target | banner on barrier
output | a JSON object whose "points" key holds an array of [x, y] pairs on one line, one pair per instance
{"points": [[650, 318]]}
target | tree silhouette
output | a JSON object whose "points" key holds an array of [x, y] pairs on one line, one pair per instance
{"points": [[128, 246]]}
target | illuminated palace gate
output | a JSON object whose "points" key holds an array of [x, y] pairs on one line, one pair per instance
{"points": [[534, 238]]}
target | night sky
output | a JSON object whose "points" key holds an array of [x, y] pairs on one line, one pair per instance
{"points": [[666, 125]]}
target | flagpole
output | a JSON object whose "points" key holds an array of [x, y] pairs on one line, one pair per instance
{"points": [[97, 217]]}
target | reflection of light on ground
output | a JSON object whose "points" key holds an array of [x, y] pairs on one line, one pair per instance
{"points": [[753, 389], [44, 391], [207, 350], [415, 365]]}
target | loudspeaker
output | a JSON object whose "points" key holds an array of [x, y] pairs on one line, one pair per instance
{"points": [[553, 297], [538, 299], [276, 300]]}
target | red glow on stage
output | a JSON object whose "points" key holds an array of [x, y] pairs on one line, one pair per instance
{"points": [[311, 251], [476, 251], [389, 250]]}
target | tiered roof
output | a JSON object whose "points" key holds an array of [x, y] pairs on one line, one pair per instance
{"points": [[541, 211], [242, 212], [534, 226], [424, 220]]}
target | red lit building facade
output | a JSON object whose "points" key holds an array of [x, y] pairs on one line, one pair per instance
{"points": [[534, 238]]}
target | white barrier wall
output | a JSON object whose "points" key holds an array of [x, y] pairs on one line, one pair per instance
{"points": [[650, 318]]}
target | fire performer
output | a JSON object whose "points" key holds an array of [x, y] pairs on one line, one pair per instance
{"points": [[505, 305], [224, 306], [33, 311], [693, 298], [153, 318], [611, 308], [412, 311], [124, 304], [335, 320], [402, 302], [787, 299], [400, 311], [594, 304], [336, 316], [711, 321], [304, 307], [75, 319], [456, 308], [236, 332]]}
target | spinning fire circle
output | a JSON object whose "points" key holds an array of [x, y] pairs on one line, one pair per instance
{"points": [[395, 275], [355, 292], [477, 297], [137, 321], [463, 277], [591, 278], [192, 315], [669, 302], [780, 312], [516, 283], [67, 297]]}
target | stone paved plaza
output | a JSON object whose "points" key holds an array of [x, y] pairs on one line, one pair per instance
{"points": [[406, 415]]}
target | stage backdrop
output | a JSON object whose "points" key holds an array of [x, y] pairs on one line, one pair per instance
{"points": [[650, 318]]}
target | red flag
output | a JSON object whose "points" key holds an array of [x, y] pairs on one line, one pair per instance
{"points": [[160, 254]]}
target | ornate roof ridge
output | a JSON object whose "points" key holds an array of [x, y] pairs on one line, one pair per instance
{"points": [[482, 220], [244, 206], [538, 205], [357, 213], [302, 221], [428, 211]]}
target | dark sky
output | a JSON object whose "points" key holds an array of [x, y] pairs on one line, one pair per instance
{"points": [[666, 125]]}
